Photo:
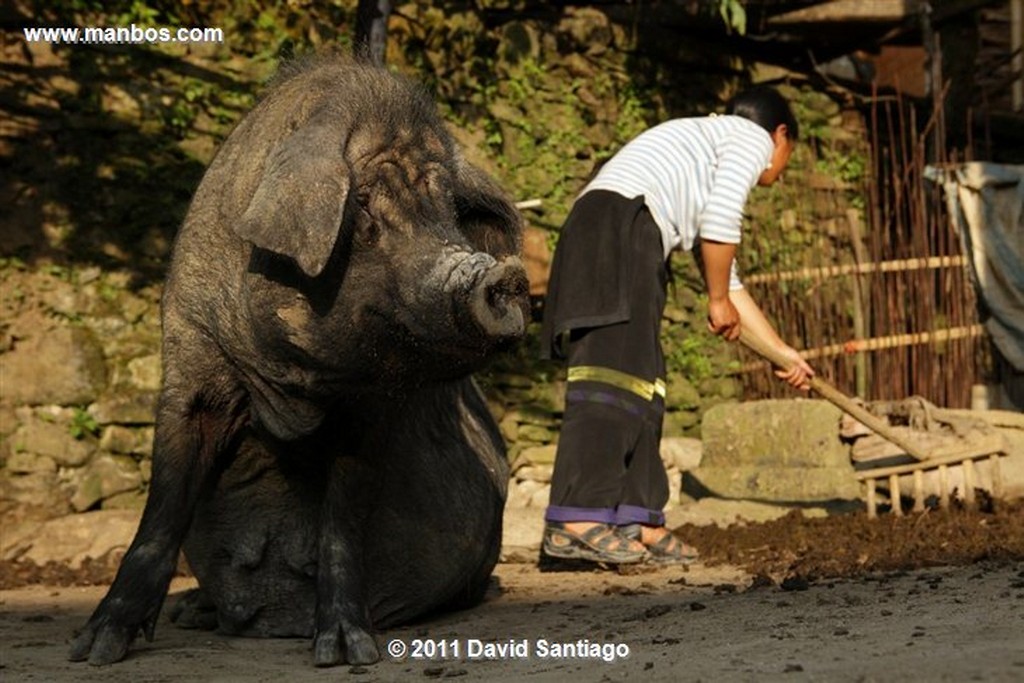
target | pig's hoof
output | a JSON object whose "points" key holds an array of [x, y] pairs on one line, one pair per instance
{"points": [[359, 647], [101, 644], [195, 610]]}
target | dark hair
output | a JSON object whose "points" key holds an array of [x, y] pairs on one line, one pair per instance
{"points": [[763, 105]]}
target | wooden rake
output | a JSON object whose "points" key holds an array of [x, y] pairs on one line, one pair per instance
{"points": [[939, 460]]}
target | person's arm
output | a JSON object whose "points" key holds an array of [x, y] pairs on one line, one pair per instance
{"points": [[716, 260], [739, 161], [757, 324]]}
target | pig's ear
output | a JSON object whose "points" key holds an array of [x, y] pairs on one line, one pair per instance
{"points": [[486, 215], [299, 204]]}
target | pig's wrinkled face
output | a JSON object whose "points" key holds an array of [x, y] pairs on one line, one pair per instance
{"points": [[403, 186], [423, 280]]}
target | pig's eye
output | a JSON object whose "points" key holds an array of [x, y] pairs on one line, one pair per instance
{"points": [[367, 228]]}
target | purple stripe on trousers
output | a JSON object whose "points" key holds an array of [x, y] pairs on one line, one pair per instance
{"points": [[633, 514], [620, 516], [556, 513]]}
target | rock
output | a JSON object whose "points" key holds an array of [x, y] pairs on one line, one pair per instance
{"points": [[129, 500], [535, 415], [517, 495], [680, 421], [578, 66], [539, 455], [681, 452], [35, 490], [117, 102], [535, 433], [776, 450], [105, 476], [518, 41], [773, 483], [72, 538], [509, 426], [126, 408], [585, 30], [528, 487], [54, 440], [8, 420], [144, 445], [146, 372], [780, 433], [540, 473], [522, 531], [504, 112], [127, 441], [681, 393], [540, 497], [23, 462], [68, 357]]}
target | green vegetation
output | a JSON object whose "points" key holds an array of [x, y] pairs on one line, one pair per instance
{"points": [[83, 424]]}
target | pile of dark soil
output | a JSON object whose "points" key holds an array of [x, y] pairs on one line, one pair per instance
{"points": [[851, 545]]}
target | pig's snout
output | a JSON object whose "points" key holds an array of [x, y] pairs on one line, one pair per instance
{"points": [[499, 302]]}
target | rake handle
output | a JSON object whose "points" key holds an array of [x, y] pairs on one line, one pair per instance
{"points": [[833, 395]]}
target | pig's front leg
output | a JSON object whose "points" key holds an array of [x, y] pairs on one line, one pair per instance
{"points": [[343, 628], [193, 429]]}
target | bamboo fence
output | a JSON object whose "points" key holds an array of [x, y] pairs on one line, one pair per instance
{"points": [[888, 311]]}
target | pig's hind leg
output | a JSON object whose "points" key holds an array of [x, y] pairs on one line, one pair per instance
{"points": [[196, 423]]}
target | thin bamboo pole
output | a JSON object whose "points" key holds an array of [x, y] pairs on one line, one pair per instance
{"points": [[822, 272]]}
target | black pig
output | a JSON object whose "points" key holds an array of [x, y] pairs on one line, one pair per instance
{"points": [[339, 274]]}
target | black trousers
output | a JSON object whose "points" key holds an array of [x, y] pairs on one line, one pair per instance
{"points": [[608, 466]]}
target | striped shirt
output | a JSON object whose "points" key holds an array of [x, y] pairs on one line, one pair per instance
{"points": [[694, 174]]}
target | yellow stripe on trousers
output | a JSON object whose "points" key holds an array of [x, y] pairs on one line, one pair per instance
{"points": [[642, 388]]}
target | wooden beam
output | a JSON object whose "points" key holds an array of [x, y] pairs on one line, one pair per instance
{"points": [[822, 272], [850, 10], [877, 11]]}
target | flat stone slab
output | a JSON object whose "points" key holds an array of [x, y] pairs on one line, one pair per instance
{"points": [[72, 538], [776, 433]]}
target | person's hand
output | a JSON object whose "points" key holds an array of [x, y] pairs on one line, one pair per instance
{"points": [[724, 319], [799, 374]]}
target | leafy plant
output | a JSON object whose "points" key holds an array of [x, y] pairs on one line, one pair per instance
{"points": [[83, 424], [734, 15]]}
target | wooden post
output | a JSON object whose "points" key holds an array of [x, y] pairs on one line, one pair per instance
{"points": [[918, 491], [872, 500], [997, 476], [968, 467], [943, 487], [861, 285], [894, 495]]}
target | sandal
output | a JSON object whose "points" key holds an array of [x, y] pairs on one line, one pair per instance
{"points": [[669, 550], [600, 543]]}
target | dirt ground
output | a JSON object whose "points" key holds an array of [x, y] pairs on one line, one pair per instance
{"points": [[936, 597]]}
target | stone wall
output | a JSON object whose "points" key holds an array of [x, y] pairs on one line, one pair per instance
{"points": [[78, 385]]}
